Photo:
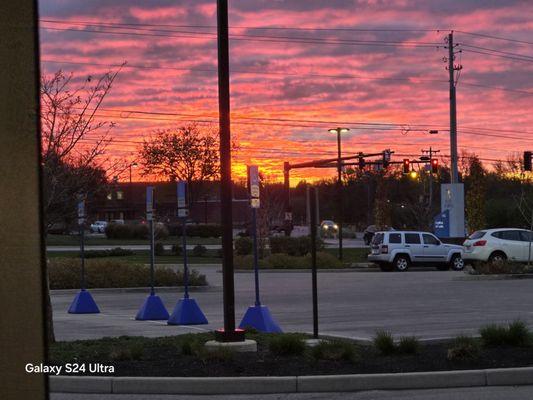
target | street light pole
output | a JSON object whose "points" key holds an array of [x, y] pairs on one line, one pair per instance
{"points": [[338, 131]]}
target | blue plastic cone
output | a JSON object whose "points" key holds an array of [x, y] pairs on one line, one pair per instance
{"points": [[259, 317], [83, 303], [152, 309], [187, 312]]}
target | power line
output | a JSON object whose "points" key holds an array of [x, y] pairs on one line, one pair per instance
{"points": [[496, 55], [258, 38], [494, 37], [347, 29], [508, 53]]}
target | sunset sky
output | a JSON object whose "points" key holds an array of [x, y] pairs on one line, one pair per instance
{"points": [[373, 66]]}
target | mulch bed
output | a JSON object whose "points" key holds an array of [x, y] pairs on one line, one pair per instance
{"points": [[163, 359]]}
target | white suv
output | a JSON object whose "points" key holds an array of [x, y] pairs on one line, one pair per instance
{"points": [[400, 249], [501, 244], [98, 226]]}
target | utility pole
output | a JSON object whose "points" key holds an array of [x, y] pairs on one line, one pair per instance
{"points": [[229, 333], [430, 152], [453, 109]]}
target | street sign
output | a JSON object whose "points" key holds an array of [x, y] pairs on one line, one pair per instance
{"points": [[149, 203], [255, 203], [81, 211]]}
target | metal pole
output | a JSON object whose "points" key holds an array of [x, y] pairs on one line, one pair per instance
{"points": [[312, 202], [530, 240], [287, 196], [152, 256], [256, 256], [225, 171], [339, 190], [185, 266], [130, 171], [82, 255], [453, 112]]}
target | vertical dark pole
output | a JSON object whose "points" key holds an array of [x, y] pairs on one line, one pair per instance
{"points": [[312, 202], [185, 261], [453, 112], [205, 210], [225, 171], [82, 254], [152, 255], [339, 190], [256, 256], [287, 197]]}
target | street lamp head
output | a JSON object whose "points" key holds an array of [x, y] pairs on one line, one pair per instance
{"points": [[338, 130]]}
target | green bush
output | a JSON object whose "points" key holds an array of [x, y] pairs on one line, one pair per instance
{"points": [[159, 249], [199, 251], [335, 351], [287, 344], [324, 260], [463, 348], [116, 252], [64, 273], [518, 334], [160, 231], [243, 246], [504, 267], [284, 261], [514, 334], [408, 345], [127, 231], [293, 246], [384, 342], [133, 352]]}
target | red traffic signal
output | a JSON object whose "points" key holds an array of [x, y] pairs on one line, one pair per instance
{"points": [[434, 165], [406, 165]]}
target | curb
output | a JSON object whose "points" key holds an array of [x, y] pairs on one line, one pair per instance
{"points": [[291, 384], [164, 289], [495, 277]]}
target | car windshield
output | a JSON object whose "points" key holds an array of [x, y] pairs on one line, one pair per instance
{"points": [[477, 235], [378, 238]]}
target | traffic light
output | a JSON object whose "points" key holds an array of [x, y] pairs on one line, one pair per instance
{"points": [[386, 158], [406, 165], [434, 165], [527, 160], [362, 163]]}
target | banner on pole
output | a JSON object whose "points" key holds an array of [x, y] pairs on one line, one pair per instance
{"points": [[81, 212], [253, 183], [149, 203], [182, 199]]}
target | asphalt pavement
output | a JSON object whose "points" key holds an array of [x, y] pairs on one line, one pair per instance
{"points": [[429, 304], [471, 393]]}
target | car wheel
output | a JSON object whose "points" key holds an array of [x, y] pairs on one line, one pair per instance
{"points": [[443, 267], [497, 257], [401, 263], [457, 263]]}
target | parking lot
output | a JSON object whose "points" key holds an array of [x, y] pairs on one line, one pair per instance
{"points": [[425, 303]]}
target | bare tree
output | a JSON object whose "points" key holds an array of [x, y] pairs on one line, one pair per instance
{"points": [[73, 141]]}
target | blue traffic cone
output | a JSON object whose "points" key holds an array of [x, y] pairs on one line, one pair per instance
{"points": [[260, 318], [187, 312], [152, 309], [83, 303]]}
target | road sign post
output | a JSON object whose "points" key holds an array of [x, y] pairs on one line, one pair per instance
{"points": [[313, 223], [83, 303], [186, 311], [257, 316], [153, 308]]}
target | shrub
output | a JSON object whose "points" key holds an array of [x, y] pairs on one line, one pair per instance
{"points": [[64, 273], [127, 231], [116, 252], [384, 342], [287, 344], [159, 249], [518, 334], [243, 246], [463, 348], [160, 231], [504, 267], [324, 260], [199, 251], [408, 345], [335, 351], [177, 249], [293, 246], [493, 335], [284, 261], [133, 352]]}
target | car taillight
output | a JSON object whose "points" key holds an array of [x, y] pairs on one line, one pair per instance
{"points": [[480, 243], [384, 249]]}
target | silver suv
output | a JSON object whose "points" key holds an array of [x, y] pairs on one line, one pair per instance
{"points": [[400, 249]]}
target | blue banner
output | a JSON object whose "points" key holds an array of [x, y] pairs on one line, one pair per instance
{"points": [[441, 224]]}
